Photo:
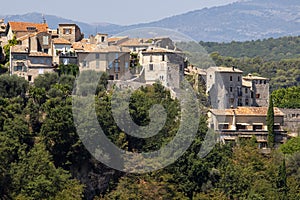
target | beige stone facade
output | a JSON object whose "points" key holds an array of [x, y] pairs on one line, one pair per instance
{"points": [[246, 122], [70, 32]]}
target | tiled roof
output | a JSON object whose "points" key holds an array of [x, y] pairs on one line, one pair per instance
{"points": [[39, 54], [61, 41], [246, 111], [22, 26], [19, 49], [226, 69], [160, 50], [135, 42], [247, 83], [251, 77], [27, 36], [94, 48]]}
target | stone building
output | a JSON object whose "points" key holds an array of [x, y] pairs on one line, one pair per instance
{"points": [[62, 53], [20, 29], [2, 28], [164, 65], [29, 64], [113, 60], [224, 87], [70, 32], [292, 121], [246, 122], [260, 90]]}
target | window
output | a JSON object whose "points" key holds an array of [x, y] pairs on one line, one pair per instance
{"points": [[265, 82], [97, 55], [247, 102], [230, 78], [246, 90], [45, 40], [18, 68], [181, 68], [257, 127], [19, 57], [257, 96], [231, 101], [46, 51], [67, 31], [151, 58], [151, 67], [223, 126], [239, 78], [240, 103], [231, 89], [84, 64], [260, 82], [163, 57], [102, 39], [29, 78], [117, 76]]}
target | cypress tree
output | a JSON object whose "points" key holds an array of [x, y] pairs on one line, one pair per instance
{"points": [[270, 124]]}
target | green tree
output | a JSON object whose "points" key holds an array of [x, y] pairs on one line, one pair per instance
{"points": [[282, 181], [270, 124]]}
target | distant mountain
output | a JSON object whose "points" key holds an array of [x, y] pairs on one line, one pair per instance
{"points": [[244, 20], [53, 22]]}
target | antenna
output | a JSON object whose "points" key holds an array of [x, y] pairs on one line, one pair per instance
{"points": [[44, 19]]}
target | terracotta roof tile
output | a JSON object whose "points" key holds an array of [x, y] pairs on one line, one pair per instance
{"points": [[39, 54], [254, 111], [61, 41], [226, 69], [22, 26]]}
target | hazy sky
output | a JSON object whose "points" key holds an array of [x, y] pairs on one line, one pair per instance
{"points": [[112, 11]]}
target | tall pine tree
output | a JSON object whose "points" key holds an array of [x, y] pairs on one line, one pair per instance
{"points": [[270, 124]]}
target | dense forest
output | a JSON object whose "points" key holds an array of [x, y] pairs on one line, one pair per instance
{"points": [[41, 156], [268, 49]]}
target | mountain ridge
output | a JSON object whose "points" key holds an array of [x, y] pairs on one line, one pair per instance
{"points": [[238, 21]]}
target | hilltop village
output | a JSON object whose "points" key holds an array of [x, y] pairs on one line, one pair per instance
{"points": [[238, 103]]}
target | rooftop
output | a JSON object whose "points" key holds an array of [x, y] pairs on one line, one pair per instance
{"points": [[226, 69], [246, 111], [251, 77], [61, 41], [22, 26]]}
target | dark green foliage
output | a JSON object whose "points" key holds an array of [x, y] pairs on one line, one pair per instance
{"points": [[292, 146], [70, 69], [12, 86], [6, 48], [267, 49], [46, 80], [287, 97], [282, 181], [270, 124]]}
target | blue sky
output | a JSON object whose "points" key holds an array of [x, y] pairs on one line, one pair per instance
{"points": [[112, 11]]}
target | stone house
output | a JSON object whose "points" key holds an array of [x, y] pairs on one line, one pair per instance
{"points": [[29, 64], [292, 121], [224, 87], [260, 88], [62, 52], [113, 60], [20, 29], [164, 65], [246, 122], [70, 32]]}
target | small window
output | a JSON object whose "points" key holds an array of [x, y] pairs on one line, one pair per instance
{"points": [[151, 58], [230, 78], [231, 89], [84, 64], [29, 78], [239, 78], [117, 76], [151, 67], [257, 96], [67, 31], [102, 39], [97, 55], [265, 82], [246, 90], [247, 102], [45, 40], [18, 68], [163, 57]]}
